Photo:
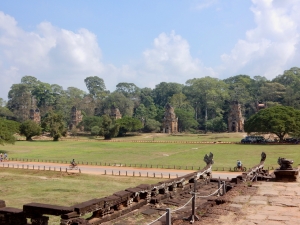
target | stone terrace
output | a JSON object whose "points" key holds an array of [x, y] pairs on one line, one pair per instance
{"points": [[275, 203]]}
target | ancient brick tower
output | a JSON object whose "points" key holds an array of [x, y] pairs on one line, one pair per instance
{"points": [[170, 122], [259, 106], [235, 118], [115, 113], [34, 114], [76, 117]]}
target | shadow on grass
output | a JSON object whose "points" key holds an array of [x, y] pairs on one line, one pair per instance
{"points": [[221, 137], [38, 141]]}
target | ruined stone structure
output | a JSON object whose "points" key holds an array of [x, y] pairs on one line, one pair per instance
{"points": [[286, 170], [259, 106], [115, 113], [235, 118], [76, 117], [34, 114], [170, 122]]}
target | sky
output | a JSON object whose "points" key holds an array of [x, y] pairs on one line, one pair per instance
{"points": [[145, 42]]}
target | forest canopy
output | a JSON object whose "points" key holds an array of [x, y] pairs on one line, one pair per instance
{"points": [[201, 103]]}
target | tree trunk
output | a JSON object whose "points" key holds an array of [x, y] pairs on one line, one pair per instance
{"points": [[55, 138], [28, 138], [107, 137], [281, 136]]}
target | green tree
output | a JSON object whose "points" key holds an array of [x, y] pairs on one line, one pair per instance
{"points": [[149, 112], [7, 130], [95, 130], [217, 124], [30, 81], [96, 87], [118, 100], [55, 124], [291, 80], [19, 101], [129, 90], [279, 120], [43, 97], [4, 111], [141, 112], [90, 121], [128, 124], [164, 91], [186, 119], [208, 94], [152, 125], [178, 100], [29, 129], [109, 128], [273, 92]]}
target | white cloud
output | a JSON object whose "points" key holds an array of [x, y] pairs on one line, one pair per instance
{"points": [[170, 60], [202, 4], [49, 53], [272, 46], [64, 57]]}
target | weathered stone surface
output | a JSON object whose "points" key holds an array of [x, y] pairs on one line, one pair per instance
{"points": [[283, 202], [257, 202], [241, 199], [269, 206], [279, 218], [258, 198], [256, 217], [236, 205]]}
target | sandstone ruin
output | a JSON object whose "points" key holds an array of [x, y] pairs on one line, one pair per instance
{"points": [[235, 118], [76, 117], [115, 113], [170, 121], [34, 114]]}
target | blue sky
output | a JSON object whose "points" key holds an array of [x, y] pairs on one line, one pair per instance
{"points": [[145, 42]]}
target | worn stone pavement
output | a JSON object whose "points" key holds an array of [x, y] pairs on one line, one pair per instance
{"points": [[275, 203]]}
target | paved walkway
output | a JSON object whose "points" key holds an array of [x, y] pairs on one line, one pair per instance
{"points": [[276, 203]]}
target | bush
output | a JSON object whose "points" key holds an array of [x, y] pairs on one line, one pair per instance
{"points": [[95, 130], [29, 129], [152, 126]]}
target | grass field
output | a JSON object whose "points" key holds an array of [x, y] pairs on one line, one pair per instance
{"points": [[19, 187], [225, 155]]}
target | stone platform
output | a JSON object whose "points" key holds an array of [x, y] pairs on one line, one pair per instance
{"points": [[275, 203]]}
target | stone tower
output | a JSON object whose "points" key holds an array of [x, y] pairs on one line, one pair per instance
{"points": [[170, 122], [76, 117], [115, 113], [259, 106], [235, 118], [34, 114]]}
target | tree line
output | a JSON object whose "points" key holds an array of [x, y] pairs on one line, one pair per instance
{"points": [[200, 103]]}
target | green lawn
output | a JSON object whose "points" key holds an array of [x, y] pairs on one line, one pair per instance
{"points": [[226, 137], [225, 155], [19, 187]]}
